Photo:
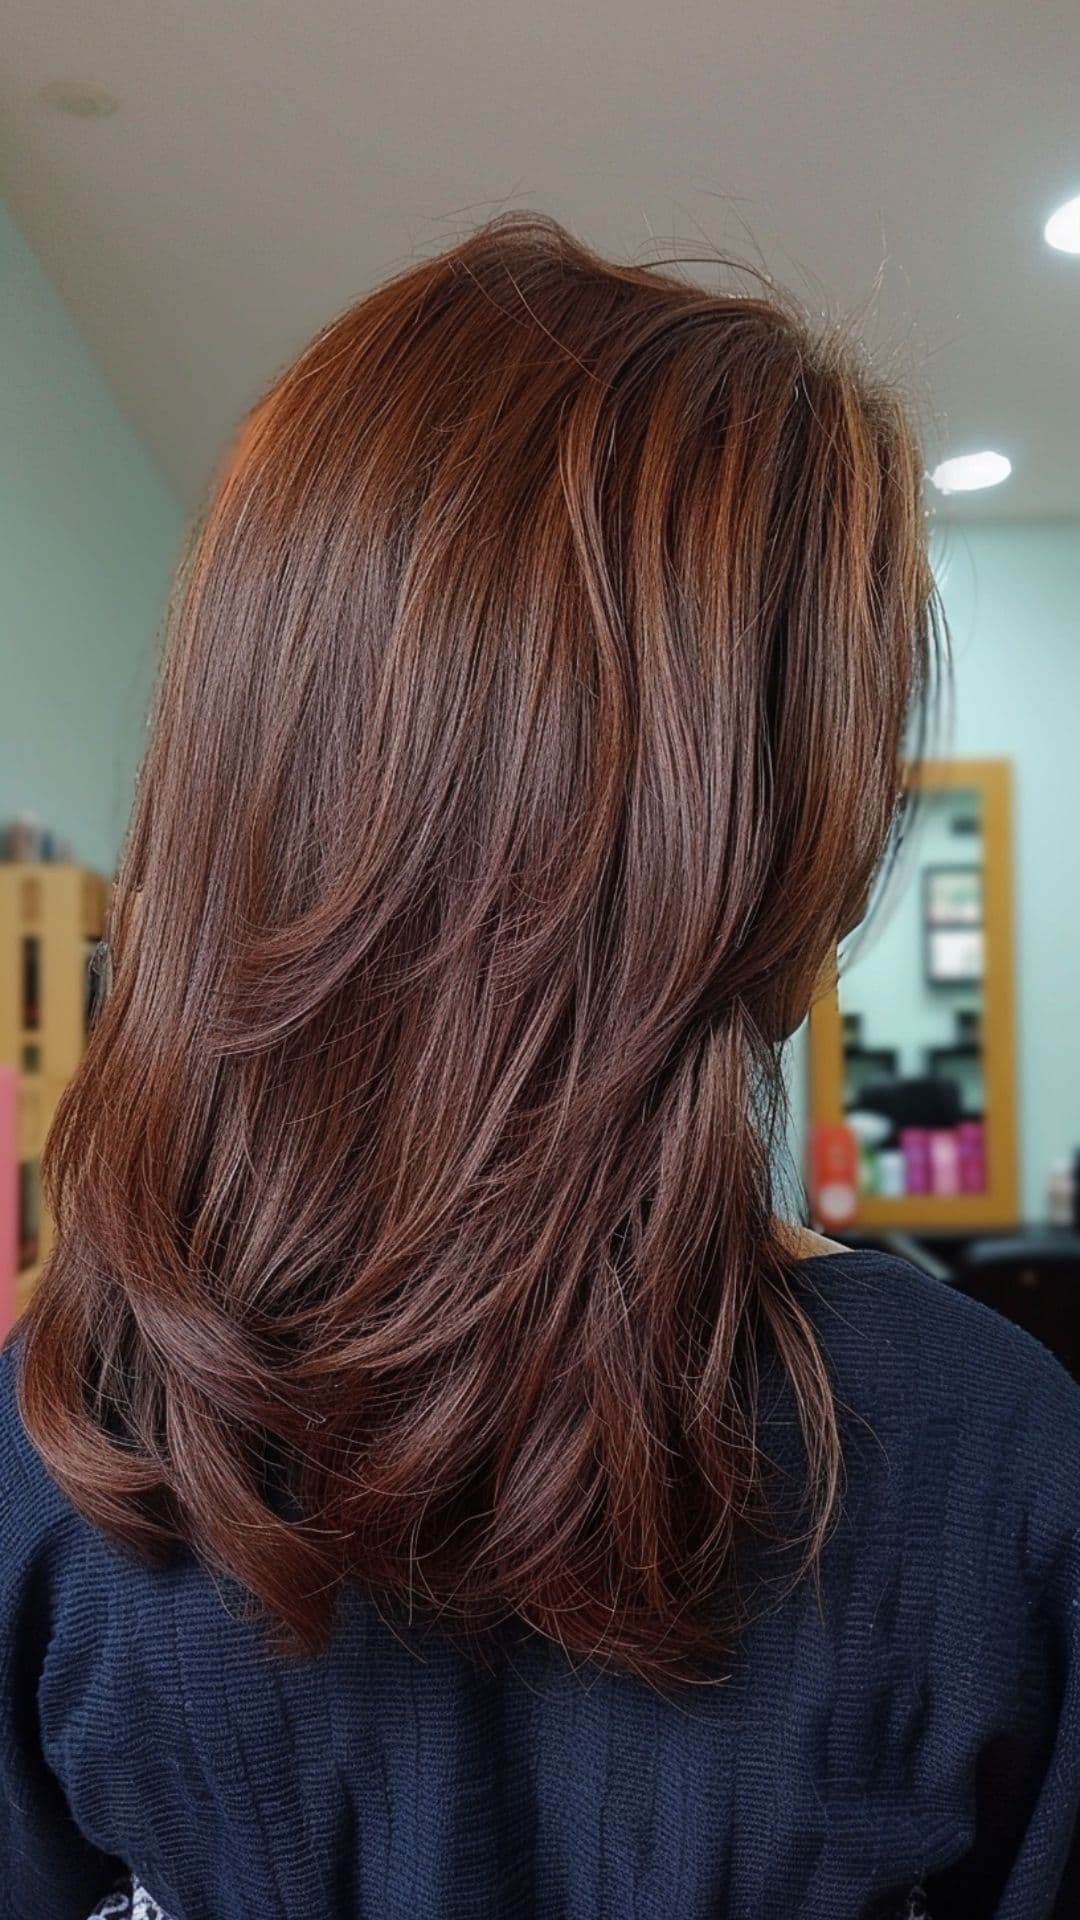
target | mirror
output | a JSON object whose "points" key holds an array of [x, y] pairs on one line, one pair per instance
{"points": [[913, 1054]]}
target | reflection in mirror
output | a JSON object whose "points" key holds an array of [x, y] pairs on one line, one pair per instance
{"points": [[911, 1011]]}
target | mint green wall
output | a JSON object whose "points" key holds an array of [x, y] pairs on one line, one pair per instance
{"points": [[1012, 596], [1012, 600], [88, 535]]}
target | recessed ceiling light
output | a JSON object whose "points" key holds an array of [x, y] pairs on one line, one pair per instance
{"points": [[79, 97], [966, 472], [1062, 230]]}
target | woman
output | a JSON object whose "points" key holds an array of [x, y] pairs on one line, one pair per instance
{"points": [[437, 1485]]}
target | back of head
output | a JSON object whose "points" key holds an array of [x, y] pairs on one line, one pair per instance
{"points": [[529, 730]]}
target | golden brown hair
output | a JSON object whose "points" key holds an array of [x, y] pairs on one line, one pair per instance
{"points": [[528, 733]]}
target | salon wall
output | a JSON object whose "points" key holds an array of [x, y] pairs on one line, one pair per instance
{"points": [[88, 535], [1012, 600], [1012, 597]]}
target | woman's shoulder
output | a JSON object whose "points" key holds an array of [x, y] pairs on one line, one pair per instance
{"points": [[19, 1464], [862, 1298], [34, 1514], [951, 1388]]}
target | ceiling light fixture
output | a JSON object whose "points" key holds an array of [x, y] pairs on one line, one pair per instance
{"points": [[1062, 230], [80, 98], [966, 472]]}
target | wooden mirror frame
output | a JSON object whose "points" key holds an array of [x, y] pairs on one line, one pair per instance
{"points": [[997, 1207]]}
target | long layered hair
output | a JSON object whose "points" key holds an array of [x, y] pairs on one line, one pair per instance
{"points": [[529, 730]]}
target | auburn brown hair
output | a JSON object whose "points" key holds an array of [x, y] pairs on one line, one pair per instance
{"points": [[529, 731]]}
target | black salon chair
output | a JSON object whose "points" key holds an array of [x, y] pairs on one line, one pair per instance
{"points": [[1034, 1281]]}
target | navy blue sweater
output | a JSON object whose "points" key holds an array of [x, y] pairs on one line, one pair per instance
{"points": [[916, 1725]]}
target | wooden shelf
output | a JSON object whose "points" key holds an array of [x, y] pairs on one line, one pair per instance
{"points": [[33, 1115], [62, 908], [25, 1282]]}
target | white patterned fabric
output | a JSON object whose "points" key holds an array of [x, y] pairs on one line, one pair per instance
{"points": [[131, 1903], [136, 1904]]}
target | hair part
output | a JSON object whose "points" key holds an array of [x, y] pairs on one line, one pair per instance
{"points": [[529, 731]]}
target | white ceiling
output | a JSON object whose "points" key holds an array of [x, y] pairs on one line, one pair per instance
{"points": [[271, 159]]}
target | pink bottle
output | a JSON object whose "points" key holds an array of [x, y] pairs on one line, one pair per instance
{"points": [[971, 1148], [944, 1161], [915, 1147]]}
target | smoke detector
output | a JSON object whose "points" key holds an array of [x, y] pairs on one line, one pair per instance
{"points": [[80, 98]]}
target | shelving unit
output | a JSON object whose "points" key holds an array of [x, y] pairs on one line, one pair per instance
{"points": [[51, 917]]}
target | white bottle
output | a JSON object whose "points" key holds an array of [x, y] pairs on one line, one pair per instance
{"points": [[890, 1166], [1059, 1195]]}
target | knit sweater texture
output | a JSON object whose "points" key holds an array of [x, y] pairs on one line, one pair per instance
{"points": [[902, 1737]]}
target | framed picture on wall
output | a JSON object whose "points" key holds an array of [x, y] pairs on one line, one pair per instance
{"points": [[953, 925]]}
